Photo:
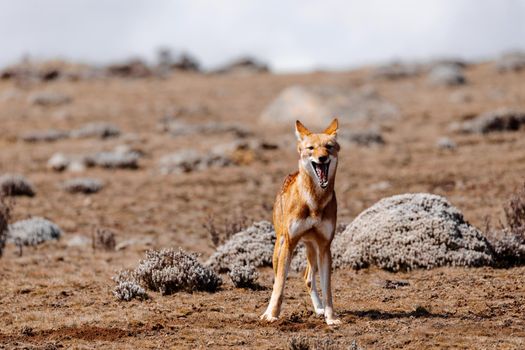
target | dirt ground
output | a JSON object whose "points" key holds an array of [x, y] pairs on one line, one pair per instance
{"points": [[58, 296]]}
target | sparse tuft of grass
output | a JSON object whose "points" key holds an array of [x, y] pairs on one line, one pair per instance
{"points": [[221, 232], [508, 242], [104, 239], [299, 342], [5, 216], [515, 212], [303, 342]]}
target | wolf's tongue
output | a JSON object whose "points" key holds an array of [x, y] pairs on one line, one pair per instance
{"points": [[321, 174]]}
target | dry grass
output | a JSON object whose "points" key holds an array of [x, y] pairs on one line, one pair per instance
{"points": [[220, 232], [5, 216], [104, 239]]}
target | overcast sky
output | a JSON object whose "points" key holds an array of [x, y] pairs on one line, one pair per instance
{"points": [[290, 35]]}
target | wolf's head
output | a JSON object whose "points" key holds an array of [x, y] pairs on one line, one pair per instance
{"points": [[318, 152]]}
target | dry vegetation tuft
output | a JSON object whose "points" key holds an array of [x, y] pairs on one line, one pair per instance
{"points": [[5, 216], [244, 276], [104, 239], [168, 271], [508, 242], [220, 232]]}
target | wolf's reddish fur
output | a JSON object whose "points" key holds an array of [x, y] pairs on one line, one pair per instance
{"points": [[306, 209]]}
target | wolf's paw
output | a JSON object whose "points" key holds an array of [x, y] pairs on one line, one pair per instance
{"points": [[333, 322], [267, 317], [319, 311]]}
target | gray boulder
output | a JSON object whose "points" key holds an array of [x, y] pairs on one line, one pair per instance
{"points": [[408, 231], [49, 98], [15, 185], [101, 130], [510, 62], [33, 231], [317, 106], [50, 135], [446, 75], [503, 119], [82, 185]]}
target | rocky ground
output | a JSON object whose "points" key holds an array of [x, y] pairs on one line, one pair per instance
{"points": [[201, 148]]}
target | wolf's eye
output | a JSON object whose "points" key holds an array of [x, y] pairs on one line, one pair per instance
{"points": [[329, 146], [310, 148]]}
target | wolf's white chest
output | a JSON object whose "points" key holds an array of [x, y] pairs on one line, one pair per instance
{"points": [[300, 226]]}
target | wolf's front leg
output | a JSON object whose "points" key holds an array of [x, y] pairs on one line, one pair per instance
{"points": [[274, 307], [311, 271]]}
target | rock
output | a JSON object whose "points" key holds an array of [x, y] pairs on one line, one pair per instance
{"points": [[48, 98], [460, 97], [186, 62], [368, 137], [244, 65], [101, 130], [397, 70], [58, 162], [79, 241], [135, 68], [73, 163], [317, 106], [446, 75], [33, 231], [446, 143], [190, 160], [83, 185], [408, 231], [146, 241], [15, 185], [380, 186], [50, 135], [251, 247], [114, 160], [179, 128], [510, 62], [503, 119], [183, 62]]}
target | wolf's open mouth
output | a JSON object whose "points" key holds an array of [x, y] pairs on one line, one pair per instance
{"points": [[321, 170]]}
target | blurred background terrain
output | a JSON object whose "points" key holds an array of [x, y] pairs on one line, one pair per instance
{"points": [[134, 125]]}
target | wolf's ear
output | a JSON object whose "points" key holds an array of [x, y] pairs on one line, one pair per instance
{"points": [[301, 131], [332, 128]]}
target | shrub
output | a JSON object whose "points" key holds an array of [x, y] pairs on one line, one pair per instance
{"points": [[15, 185], [127, 290], [169, 270], [33, 231], [104, 239], [83, 185], [243, 276], [252, 247]]}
